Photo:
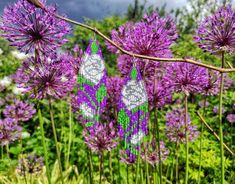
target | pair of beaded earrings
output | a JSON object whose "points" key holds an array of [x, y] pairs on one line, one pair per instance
{"points": [[133, 105]]}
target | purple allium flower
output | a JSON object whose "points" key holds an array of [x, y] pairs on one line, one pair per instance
{"points": [[127, 157], [231, 118], [46, 77], [175, 126], [185, 78], [10, 98], [114, 88], [151, 36], [71, 61], [19, 111], [2, 102], [30, 28], [159, 95], [30, 164], [216, 109], [101, 137], [10, 131], [151, 155], [217, 32], [202, 103], [212, 83], [74, 103]]}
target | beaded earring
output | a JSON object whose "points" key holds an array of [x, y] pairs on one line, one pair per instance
{"points": [[133, 112], [91, 84]]}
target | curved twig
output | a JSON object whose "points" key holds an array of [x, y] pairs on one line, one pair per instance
{"points": [[213, 132], [222, 70]]}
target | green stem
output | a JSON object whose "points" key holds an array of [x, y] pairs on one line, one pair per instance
{"points": [[159, 148], [127, 174], [90, 166], [137, 170], [200, 157], [119, 172], [56, 141], [186, 139], [70, 133], [110, 166], [177, 163], [44, 145], [220, 121], [157, 127], [101, 167], [146, 169], [141, 175], [7, 149]]}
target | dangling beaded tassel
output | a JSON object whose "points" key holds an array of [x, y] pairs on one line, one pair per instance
{"points": [[91, 84], [133, 113]]}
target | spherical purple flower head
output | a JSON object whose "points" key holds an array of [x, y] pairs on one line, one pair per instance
{"points": [[203, 104], [101, 137], [231, 118], [185, 78], [114, 86], [127, 157], [151, 36], [216, 109], [10, 131], [158, 95], [75, 59], [212, 83], [71, 61], [54, 78], [217, 32], [175, 126], [30, 28], [19, 111], [30, 164], [150, 153], [2, 102]]}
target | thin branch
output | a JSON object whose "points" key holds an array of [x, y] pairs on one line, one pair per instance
{"points": [[229, 64], [222, 70], [213, 132]]}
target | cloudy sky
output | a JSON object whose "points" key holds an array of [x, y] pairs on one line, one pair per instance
{"points": [[97, 9]]}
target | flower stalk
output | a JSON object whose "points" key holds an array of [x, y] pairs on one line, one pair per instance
{"points": [[44, 145], [220, 120], [186, 138], [56, 141]]}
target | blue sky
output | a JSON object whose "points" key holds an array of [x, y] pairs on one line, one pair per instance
{"points": [[97, 9]]}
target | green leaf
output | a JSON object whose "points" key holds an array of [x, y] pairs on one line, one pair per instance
{"points": [[15, 150], [101, 93], [123, 119]]}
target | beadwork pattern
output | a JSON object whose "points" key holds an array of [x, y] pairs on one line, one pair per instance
{"points": [[133, 112], [91, 84]]}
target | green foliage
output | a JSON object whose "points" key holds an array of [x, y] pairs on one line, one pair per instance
{"points": [[8, 63]]}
